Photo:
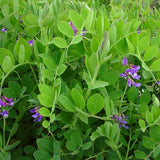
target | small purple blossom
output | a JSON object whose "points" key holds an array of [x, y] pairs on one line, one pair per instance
{"points": [[30, 43], [83, 32], [131, 73], [138, 30], [124, 61], [37, 117], [4, 113], [74, 28], [4, 30], [120, 121], [158, 82]]}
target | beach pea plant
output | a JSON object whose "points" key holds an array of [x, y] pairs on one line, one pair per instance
{"points": [[79, 80]]}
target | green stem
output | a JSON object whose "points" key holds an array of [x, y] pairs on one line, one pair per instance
{"points": [[118, 153], [123, 96], [4, 128]]}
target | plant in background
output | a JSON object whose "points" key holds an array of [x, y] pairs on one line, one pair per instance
{"points": [[68, 61]]}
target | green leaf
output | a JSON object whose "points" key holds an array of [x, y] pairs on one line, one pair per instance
{"points": [[21, 54], [29, 149], [48, 74], [44, 112], [14, 145], [7, 64], [43, 88], [145, 97], [76, 19], [65, 101], [83, 117], [27, 49], [13, 130], [155, 132], [59, 42], [130, 46], [71, 146], [100, 25], [93, 59], [142, 124], [148, 142], [5, 156], [149, 117], [45, 124], [61, 69], [95, 103], [155, 66], [6, 52], [52, 118], [143, 44], [76, 39], [45, 100], [151, 53], [156, 151], [107, 106], [56, 147], [56, 157], [87, 145], [1, 141], [90, 21], [49, 62], [76, 138], [94, 44], [155, 101], [45, 144], [98, 84], [41, 155], [112, 34], [142, 109], [132, 94], [65, 28], [140, 154], [78, 98]]}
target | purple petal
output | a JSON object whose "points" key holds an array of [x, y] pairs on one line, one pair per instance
{"points": [[129, 82], [83, 32], [138, 32], [4, 30], [39, 118], [158, 82], [136, 84], [35, 115], [126, 127], [114, 117], [10, 104], [124, 61], [74, 28], [123, 75], [135, 76], [33, 110], [9, 99], [30, 42], [4, 113]]}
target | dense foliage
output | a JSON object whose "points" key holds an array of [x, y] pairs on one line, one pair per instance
{"points": [[79, 80]]}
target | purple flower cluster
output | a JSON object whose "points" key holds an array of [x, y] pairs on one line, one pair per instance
{"points": [[138, 31], [131, 73], [4, 30], [4, 101], [119, 119], [75, 30], [37, 117]]}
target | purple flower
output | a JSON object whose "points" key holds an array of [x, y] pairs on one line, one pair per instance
{"points": [[138, 31], [37, 117], [136, 84], [83, 32], [123, 75], [2, 103], [4, 30], [120, 121], [74, 28], [131, 73], [30, 42], [4, 113], [129, 82], [124, 61], [158, 82]]}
